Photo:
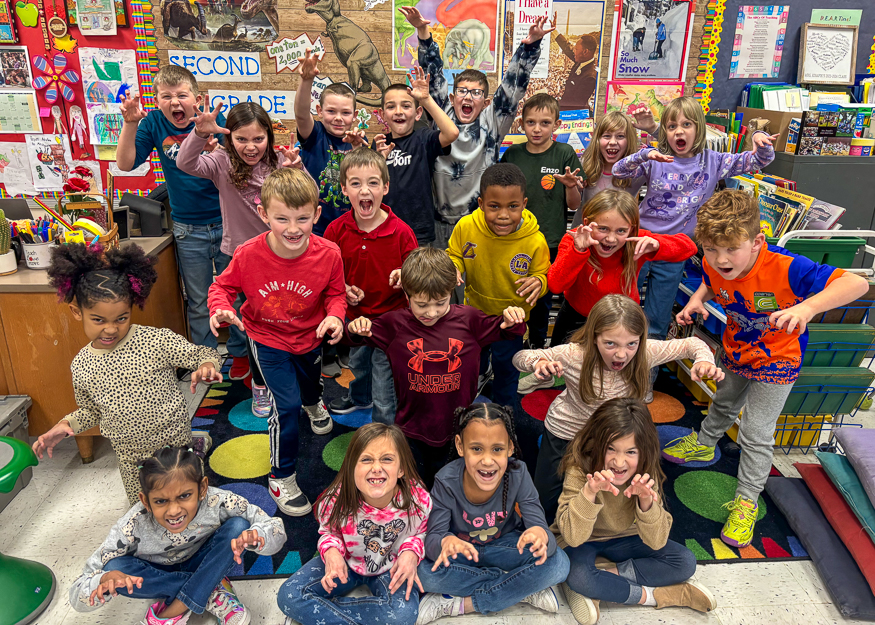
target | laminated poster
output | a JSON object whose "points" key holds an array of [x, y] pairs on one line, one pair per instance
{"points": [[50, 159], [15, 72], [651, 40], [15, 168], [96, 17], [759, 41], [19, 111], [106, 76]]}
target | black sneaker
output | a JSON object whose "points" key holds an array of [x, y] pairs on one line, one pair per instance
{"points": [[344, 405], [331, 369], [343, 360]]}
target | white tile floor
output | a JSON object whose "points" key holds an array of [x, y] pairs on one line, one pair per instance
{"points": [[66, 510]]}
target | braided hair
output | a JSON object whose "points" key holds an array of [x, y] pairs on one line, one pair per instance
{"points": [[88, 275], [165, 464], [490, 412]]}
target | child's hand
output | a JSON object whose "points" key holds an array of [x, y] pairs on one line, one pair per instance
{"points": [[112, 580], [530, 288], [360, 326], [705, 369], [354, 295], [47, 441], [395, 279], [205, 124], [414, 17], [212, 144], [643, 117], [309, 67], [583, 236], [225, 316], [452, 547], [570, 178], [685, 317], [642, 486], [537, 537], [418, 84], [761, 139], [382, 147], [644, 245], [512, 316], [356, 138], [659, 157], [546, 369], [600, 480], [332, 326], [459, 281], [247, 538], [795, 318], [132, 110], [290, 157], [206, 373], [335, 566], [537, 30], [404, 570]]}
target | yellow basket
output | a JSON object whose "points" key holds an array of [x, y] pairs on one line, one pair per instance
{"points": [[793, 431]]}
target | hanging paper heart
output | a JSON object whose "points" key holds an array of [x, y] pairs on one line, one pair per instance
{"points": [[55, 78]]}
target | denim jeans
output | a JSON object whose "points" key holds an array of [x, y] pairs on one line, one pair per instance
{"points": [[499, 579], [373, 382], [197, 248], [303, 599], [505, 377], [192, 581], [637, 564], [662, 279]]}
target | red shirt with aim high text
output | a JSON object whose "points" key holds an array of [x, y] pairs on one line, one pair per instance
{"points": [[435, 367], [369, 258], [286, 299]]}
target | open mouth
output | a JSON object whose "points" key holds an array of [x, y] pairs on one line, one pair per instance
{"points": [[251, 156], [680, 144], [294, 240], [487, 476], [467, 110], [376, 481], [619, 475], [607, 249], [107, 341], [310, 3], [366, 206], [175, 523], [725, 270], [612, 153], [178, 116], [617, 365]]}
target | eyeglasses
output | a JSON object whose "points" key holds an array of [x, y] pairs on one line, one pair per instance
{"points": [[476, 94]]}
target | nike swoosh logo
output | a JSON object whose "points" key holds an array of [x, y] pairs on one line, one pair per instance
{"points": [[274, 491]]}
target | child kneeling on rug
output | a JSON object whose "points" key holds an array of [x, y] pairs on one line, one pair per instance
{"points": [[763, 288], [177, 545], [372, 522], [610, 506]]}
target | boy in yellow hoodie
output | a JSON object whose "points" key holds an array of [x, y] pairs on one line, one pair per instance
{"points": [[505, 259]]}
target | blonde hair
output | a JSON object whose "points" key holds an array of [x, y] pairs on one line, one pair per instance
{"points": [[363, 157], [626, 206], [593, 162], [172, 75], [292, 187], [610, 312], [691, 109], [727, 218]]}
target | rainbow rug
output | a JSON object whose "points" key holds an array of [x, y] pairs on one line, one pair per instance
{"points": [[239, 462]]}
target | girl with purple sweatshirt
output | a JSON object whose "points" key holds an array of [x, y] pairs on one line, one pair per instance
{"points": [[682, 174]]}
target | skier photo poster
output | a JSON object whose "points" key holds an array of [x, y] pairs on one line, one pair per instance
{"points": [[651, 39]]}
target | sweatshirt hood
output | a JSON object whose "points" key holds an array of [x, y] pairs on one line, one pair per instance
{"points": [[528, 226]]}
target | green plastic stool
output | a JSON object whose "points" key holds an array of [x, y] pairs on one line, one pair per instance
{"points": [[27, 586]]}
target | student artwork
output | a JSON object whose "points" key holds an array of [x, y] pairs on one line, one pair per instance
{"points": [[15, 68], [84, 176], [121, 18], [363, 118], [7, 28], [56, 78], [77, 126], [107, 75], [631, 97], [288, 52], [827, 54], [96, 17], [15, 168], [466, 31], [240, 25], [319, 84], [50, 158], [651, 40]]}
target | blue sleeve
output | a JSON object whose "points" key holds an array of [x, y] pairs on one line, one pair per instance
{"points": [[531, 511], [442, 504], [807, 277], [309, 144], [145, 141], [433, 147]]}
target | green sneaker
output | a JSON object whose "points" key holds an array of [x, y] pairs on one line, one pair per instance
{"points": [[687, 449], [738, 530]]}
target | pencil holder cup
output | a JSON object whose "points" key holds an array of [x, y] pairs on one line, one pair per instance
{"points": [[38, 255]]}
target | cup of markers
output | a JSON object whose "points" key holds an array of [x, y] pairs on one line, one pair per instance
{"points": [[38, 237]]}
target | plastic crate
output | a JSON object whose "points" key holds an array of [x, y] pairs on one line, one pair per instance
{"points": [[794, 432], [13, 423], [837, 251]]}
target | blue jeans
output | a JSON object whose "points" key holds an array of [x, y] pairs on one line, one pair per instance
{"points": [[197, 248], [662, 279], [505, 377], [637, 564], [373, 382], [303, 599], [192, 581], [292, 381], [501, 578]]}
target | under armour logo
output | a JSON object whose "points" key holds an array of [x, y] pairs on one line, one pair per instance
{"points": [[468, 250], [451, 355]]}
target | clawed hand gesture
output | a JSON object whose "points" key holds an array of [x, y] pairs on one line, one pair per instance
{"points": [[404, 570], [356, 138], [641, 486], [205, 124], [414, 17], [290, 157], [546, 369], [247, 538], [385, 149], [584, 236], [659, 157], [537, 30], [643, 245], [309, 65], [335, 567], [570, 178], [110, 582], [530, 289], [225, 316], [331, 326], [643, 117], [761, 139], [354, 295], [131, 108], [395, 279], [537, 538], [512, 316], [418, 83], [360, 326], [601, 480], [705, 369], [207, 374], [451, 547]]}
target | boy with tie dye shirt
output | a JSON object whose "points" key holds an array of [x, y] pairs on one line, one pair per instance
{"points": [[769, 295]]}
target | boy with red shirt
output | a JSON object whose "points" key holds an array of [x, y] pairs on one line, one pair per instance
{"points": [[769, 295], [293, 283], [373, 242], [434, 349]]}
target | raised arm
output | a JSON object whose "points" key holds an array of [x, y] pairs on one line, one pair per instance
{"points": [[419, 86], [303, 118]]}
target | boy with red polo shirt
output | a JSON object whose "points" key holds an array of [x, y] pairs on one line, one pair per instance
{"points": [[373, 242], [769, 295]]}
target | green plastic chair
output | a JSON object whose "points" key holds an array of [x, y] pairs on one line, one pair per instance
{"points": [[26, 586]]}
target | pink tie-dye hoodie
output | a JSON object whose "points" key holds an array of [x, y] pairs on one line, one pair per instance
{"points": [[372, 539]]}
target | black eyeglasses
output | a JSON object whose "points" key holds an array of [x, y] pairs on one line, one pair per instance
{"points": [[475, 93]]}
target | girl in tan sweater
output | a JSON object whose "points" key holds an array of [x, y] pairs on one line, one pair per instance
{"points": [[610, 507]]}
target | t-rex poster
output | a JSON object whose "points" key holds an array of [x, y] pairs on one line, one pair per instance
{"points": [[465, 30]]}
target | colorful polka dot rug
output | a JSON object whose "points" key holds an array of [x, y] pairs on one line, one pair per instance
{"points": [[695, 493]]}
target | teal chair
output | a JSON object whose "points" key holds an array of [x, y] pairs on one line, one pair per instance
{"points": [[26, 586]]}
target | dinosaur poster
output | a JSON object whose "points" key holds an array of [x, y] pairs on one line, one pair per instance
{"points": [[106, 75], [467, 32], [229, 25], [629, 97]]}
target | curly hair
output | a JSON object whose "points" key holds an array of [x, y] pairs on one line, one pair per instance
{"points": [[87, 274], [502, 175], [240, 115], [728, 217]]}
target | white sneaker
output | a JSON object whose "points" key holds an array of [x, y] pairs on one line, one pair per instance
{"points": [[261, 403], [225, 605], [288, 495], [545, 600], [533, 383], [584, 610], [433, 606], [320, 419]]}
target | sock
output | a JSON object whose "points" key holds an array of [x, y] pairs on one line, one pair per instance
{"points": [[651, 600], [461, 607]]}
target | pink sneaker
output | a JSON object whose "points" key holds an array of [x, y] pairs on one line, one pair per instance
{"points": [[225, 605], [155, 608]]}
